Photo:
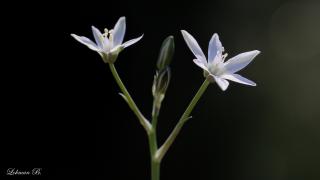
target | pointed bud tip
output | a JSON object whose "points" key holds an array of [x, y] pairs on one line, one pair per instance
{"points": [[166, 53]]}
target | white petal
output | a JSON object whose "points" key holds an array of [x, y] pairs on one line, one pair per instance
{"points": [[193, 45], [239, 79], [200, 64], [86, 42], [119, 31], [97, 36], [222, 83], [240, 61], [132, 41], [215, 47]]}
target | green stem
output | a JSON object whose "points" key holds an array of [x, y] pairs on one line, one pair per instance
{"points": [[143, 121], [151, 129], [166, 145], [155, 112], [155, 170], [155, 164]]}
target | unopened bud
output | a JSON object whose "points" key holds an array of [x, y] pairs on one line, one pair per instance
{"points": [[161, 82], [166, 53]]}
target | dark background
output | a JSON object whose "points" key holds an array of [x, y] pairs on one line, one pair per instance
{"points": [[61, 110]]}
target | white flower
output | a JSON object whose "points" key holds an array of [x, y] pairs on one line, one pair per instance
{"points": [[215, 67], [109, 44]]}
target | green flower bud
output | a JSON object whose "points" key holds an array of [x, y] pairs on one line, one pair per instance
{"points": [[161, 83], [166, 53]]}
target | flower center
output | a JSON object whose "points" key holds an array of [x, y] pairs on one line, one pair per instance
{"points": [[217, 68], [107, 37]]}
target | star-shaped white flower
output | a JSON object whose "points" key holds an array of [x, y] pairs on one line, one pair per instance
{"points": [[109, 44], [215, 67]]}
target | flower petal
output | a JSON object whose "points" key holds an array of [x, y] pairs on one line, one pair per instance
{"points": [[222, 83], [239, 79], [97, 36], [240, 61], [119, 31], [215, 47], [200, 64], [193, 45], [132, 41], [86, 42]]}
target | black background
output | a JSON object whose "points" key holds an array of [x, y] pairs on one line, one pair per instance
{"points": [[61, 110]]}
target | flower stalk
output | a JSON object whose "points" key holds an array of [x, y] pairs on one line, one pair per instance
{"points": [[185, 116], [143, 121], [150, 128], [153, 147]]}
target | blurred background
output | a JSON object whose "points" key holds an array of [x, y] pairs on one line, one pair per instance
{"points": [[62, 111]]}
